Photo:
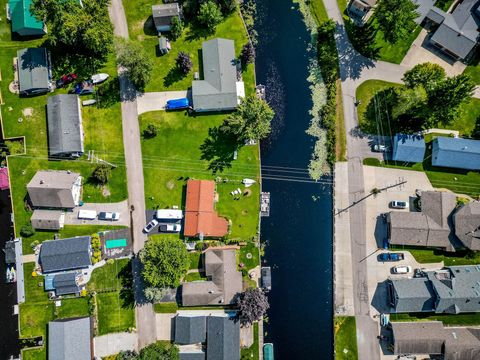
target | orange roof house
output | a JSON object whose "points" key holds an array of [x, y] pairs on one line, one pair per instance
{"points": [[200, 215]]}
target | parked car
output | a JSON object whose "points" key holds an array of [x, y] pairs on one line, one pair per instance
{"points": [[150, 226], [396, 204], [177, 104], [401, 269], [391, 257], [380, 148], [65, 80], [171, 228], [84, 88], [111, 216]]}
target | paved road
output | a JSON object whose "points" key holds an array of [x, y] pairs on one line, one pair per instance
{"points": [[145, 316]]}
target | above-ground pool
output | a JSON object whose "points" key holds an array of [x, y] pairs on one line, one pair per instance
{"points": [[115, 243]]}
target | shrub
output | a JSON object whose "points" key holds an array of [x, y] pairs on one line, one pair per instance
{"points": [[150, 131], [102, 173], [252, 305], [248, 54], [184, 63], [154, 294], [176, 28], [209, 15], [27, 231]]}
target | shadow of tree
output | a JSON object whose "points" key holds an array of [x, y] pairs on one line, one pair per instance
{"points": [[196, 31], [109, 93], [173, 76], [149, 27], [128, 90], [126, 280], [218, 148], [363, 39]]}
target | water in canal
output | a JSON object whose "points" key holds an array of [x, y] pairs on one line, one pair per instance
{"points": [[298, 232]]}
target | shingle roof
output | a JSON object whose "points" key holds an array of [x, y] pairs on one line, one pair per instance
{"points": [[223, 338], [190, 329], [23, 21], [467, 225], [412, 295], [218, 90], [66, 283], [461, 344], [69, 339], [163, 14], [32, 70], [46, 219], [65, 254], [198, 355], [456, 153], [408, 148], [418, 337], [65, 129], [53, 189]]}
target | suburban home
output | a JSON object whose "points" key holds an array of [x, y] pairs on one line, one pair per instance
{"points": [[65, 254], [457, 33], [432, 338], [220, 89], [70, 339], [223, 284], [47, 219], [451, 290], [163, 14], [55, 189], [360, 10], [65, 129], [467, 225], [63, 283], [220, 333], [33, 71], [408, 148], [430, 227], [200, 216], [456, 153], [24, 23]]}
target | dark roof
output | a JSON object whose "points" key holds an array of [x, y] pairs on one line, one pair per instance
{"points": [[413, 295], [65, 130], [9, 252], [65, 254], [70, 339], [197, 355], [408, 148], [33, 70], [163, 14], [418, 337], [190, 329], [467, 225], [218, 90], [47, 219], [456, 153], [436, 15], [223, 338], [53, 189], [66, 283]]}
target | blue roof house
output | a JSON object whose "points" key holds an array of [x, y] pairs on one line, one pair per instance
{"points": [[456, 153], [408, 148]]}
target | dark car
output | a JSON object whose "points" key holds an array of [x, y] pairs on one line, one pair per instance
{"points": [[84, 88], [66, 79], [391, 257]]}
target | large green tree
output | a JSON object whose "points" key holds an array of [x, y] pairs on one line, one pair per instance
{"points": [[209, 15], [396, 18], [165, 262], [251, 120], [135, 60], [427, 75], [476, 129]]}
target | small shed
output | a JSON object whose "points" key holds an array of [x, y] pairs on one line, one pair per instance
{"points": [[164, 45], [48, 219], [408, 148], [163, 14]]}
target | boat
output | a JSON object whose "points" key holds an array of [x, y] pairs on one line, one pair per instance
{"points": [[268, 351], [266, 272], [99, 78], [89, 102], [248, 182], [265, 204]]}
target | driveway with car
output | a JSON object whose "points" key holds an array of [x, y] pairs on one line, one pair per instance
{"points": [[155, 101], [71, 218]]}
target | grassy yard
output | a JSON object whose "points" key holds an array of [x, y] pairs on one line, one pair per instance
{"points": [[448, 320], [425, 256], [111, 276], [165, 75], [252, 352], [194, 257], [394, 53], [252, 260], [318, 10], [194, 276], [171, 307], [345, 338], [113, 315], [175, 155]]}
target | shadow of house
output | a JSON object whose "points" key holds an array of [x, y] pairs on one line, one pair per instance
{"points": [[149, 27], [380, 298]]}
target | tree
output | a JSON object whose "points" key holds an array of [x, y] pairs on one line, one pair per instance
{"points": [[165, 262], [184, 63], [154, 294], [476, 129], [228, 6], [428, 75], [248, 54], [102, 173], [150, 131], [209, 15], [251, 120], [135, 60], [410, 102], [363, 38], [252, 305], [396, 18], [159, 351], [127, 355], [27, 230], [176, 28]]}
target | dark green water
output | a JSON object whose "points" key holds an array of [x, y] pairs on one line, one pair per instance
{"points": [[298, 232]]}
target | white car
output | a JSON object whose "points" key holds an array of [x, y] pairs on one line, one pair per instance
{"points": [[396, 204], [109, 216], [402, 269], [380, 148], [150, 226], [171, 228]]}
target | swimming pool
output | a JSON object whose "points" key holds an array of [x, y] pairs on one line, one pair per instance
{"points": [[115, 243]]}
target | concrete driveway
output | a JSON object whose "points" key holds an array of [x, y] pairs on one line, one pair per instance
{"points": [[154, 101], [111, 344], [71, 218]]}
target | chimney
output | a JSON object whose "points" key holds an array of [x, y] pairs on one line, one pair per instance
{"points": [[42, 182]]}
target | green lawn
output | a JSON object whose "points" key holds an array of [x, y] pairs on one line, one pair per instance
{"points": [[394, 53], [253, 351], [174, 155], [345, 338], [194, 257], [448, 320], [165, 76], [252, 260], [425, 256], [171, 307], [473, 69], [318, 10], [113, 314], [194, 276], [111, 276]]}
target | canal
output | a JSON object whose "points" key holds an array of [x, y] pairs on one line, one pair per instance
{"points": [[298, 233]]}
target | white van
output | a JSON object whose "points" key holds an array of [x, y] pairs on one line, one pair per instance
{"points": [[87, 214]]}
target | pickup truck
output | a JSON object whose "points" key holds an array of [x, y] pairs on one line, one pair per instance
{"points": [[391, 257]]}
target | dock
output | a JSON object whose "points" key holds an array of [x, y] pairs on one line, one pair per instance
{"points": [[265, 204], [260, 91]]}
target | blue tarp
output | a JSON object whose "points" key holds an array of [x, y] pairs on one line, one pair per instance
{"points": [[49, 282], [182, 103], [408, 148], [456, 153]]}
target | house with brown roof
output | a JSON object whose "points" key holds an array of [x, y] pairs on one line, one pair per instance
{"points": [[201, 218], [467, 225], [223, 284]]}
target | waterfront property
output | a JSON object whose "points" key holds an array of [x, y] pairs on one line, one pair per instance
{"points": [[66, 254], [360, 10], [63, 283], [47, 219], [33, 71], [452, 290], [24, 23], [467, 225], [408, 148], [163, 14], [70, 339], [456, 153]]}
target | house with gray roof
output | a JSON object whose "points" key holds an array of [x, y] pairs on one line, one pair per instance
{"points": [[47, 219], [33, 70], [432, 338], [57, 189], [190, 329], [65, 254], [223, 338], [430, 227], [63, 283], [408, 148], [467, 225], [223, 284], [219, 90], [452, 290], [65, 128], [360, 10], [70, 339], [456, 153], [163, 14]]}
